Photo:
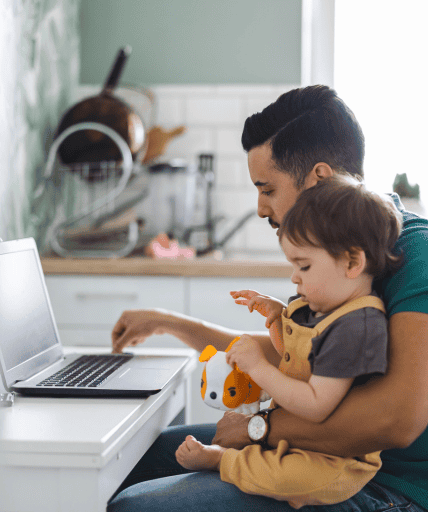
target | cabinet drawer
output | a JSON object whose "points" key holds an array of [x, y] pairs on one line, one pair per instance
{"points": [[99, 301], [210, 300]]}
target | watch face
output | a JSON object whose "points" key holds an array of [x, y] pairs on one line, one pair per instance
{"points": [[257, 428]]}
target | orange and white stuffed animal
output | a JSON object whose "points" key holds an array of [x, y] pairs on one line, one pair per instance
{"points": [[227, 388]]}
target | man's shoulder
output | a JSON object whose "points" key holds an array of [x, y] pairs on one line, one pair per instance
{"points": [[412, 222], [413, 239], [407, 288]]}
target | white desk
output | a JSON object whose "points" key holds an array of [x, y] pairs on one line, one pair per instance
{"points": [[71, 454]]}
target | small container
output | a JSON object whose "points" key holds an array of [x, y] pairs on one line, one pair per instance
{"points": [[170, 205]]}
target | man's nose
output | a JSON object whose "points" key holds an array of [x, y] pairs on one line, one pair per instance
{"points": [[263, 210]]}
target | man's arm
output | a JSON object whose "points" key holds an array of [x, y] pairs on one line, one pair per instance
{"points": [[388, 412], [134, 326]]}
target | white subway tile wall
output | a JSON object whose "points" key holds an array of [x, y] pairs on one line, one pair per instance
{"points": [[214, 117]]}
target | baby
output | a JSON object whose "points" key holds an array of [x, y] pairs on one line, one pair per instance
{"points": [[338, 237]]}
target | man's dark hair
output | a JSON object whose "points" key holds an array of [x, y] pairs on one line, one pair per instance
{"points": [[339, 214], [304, 127]]}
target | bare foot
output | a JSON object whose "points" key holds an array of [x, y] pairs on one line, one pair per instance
{"points": [[194, 455]]}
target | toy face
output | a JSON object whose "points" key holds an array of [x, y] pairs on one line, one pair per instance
{"points": [[222, 387], [204, 383], [226, 388]]}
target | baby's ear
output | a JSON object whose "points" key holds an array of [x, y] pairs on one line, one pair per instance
{"points": [[356, 262], [207, 354]]}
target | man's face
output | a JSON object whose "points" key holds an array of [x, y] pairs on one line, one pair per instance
{"points": [[277, 191]]}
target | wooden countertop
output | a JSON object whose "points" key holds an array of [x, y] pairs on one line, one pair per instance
{"points": [[140, 266]]}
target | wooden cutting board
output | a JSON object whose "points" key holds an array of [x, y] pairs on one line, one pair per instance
{"points": [[158, 139]]}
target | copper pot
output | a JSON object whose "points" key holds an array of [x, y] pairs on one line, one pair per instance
{"points": [[105, 108]]}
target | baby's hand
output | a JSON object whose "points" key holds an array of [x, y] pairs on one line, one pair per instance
{"points": [[246, 294], [246, 353], [267, 306]]}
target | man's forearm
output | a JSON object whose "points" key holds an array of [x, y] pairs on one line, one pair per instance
{"points": [[345, 433], [197, 333]]}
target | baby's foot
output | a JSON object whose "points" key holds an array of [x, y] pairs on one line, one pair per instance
{"points": [[194, 455]]}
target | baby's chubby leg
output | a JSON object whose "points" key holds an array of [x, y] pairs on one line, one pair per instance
{"points": [[194, 455]]}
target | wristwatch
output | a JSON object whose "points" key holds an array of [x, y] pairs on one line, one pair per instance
{"points": [[259, 427]]}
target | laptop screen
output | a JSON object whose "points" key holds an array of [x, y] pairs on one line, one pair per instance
{"points": [[26, 323], [29, 339]]}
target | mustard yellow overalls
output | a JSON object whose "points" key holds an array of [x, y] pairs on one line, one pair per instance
{"points": [[302, 477]]}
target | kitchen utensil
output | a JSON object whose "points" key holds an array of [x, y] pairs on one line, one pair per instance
{"points": [[142, 100], [201, 234], [158, 139], [169, 207], [206, 167], [108, 109]]}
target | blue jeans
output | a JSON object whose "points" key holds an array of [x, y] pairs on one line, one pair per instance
{"points": [[159, 483]]}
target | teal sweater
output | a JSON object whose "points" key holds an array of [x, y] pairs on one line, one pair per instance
{"points": [[406, 470]]}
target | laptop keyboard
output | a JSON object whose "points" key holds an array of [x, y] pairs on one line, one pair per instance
{"points": [[87, 371]]}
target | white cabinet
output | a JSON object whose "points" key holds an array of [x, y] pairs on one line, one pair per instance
{"points": [[209, 299], [87, 307]]}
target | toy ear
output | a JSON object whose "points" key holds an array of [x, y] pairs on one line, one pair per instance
{"points": [[207, 354], [232, 342]]}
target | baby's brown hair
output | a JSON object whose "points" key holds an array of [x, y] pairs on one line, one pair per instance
{"points": [[339, 214]]}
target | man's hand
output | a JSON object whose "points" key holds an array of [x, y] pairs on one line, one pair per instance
{"points": [[134, 326], [232, 431]]}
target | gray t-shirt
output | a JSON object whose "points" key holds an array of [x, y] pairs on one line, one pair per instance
{"points": [[355, 345]]}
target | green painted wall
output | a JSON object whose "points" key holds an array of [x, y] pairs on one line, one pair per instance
{"points": [[193, 41]]}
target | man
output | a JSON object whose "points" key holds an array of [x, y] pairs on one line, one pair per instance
{"points": [[305, 136]]}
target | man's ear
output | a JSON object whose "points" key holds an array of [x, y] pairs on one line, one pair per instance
{"points": [[319, 171], [356, 262]]}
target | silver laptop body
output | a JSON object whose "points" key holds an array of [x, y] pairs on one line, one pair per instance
{"points": [[31, 351]]}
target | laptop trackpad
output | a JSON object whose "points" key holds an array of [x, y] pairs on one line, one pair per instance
{"points": [[144, 379]]}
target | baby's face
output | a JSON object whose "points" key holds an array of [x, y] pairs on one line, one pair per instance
{"points": [[321, 279]]}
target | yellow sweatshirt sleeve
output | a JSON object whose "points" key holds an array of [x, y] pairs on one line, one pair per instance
{"points": [[297, 476]]}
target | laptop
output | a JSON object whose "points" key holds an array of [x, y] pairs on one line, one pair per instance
{"points": [[32, 360]]}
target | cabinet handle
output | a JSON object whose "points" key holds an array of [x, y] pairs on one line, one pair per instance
{"points": [[107, 296]]}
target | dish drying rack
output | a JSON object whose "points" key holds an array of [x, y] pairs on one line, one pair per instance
{"points": [[86, 197]]}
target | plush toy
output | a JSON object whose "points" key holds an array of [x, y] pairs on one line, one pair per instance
{"points": [[227, 388]]}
